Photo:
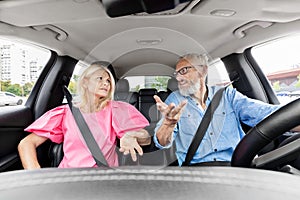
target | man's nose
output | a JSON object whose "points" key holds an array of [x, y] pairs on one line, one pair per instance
{"points": [[178, 77]]}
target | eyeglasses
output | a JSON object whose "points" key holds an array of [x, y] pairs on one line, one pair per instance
{"points": [[183, 71]]}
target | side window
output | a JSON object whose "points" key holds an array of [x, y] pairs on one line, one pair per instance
{"points": [[73, 82], [9, 95], [80, 66], [217, 74], [20, 67], [280, 61]]}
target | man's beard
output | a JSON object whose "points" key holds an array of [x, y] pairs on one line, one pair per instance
{"points": [[192, 89]]}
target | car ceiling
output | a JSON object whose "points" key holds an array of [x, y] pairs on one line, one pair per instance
{"points": [[83, 30]]}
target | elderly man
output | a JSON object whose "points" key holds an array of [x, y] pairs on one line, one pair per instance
{"points": [[183, 111]]}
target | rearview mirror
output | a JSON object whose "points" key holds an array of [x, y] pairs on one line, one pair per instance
{"points": [[117, 8]]}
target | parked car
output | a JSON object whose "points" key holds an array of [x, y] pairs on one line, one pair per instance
{"points": [[8, 99], [48, 42], [295, 94]]}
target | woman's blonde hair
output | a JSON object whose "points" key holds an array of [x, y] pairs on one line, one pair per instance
{"points": [[82, 91]]}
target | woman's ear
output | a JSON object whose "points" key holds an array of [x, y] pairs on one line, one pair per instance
{"points": [[85, 83]]}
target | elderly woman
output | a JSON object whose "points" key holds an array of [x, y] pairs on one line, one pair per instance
{"points": [[107, 119]]}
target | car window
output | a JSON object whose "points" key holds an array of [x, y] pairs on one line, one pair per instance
{"points": [[280, 61], [140, 82], [81, 65], [135, 82], [20, 66], [9, 94], [217, 74]]}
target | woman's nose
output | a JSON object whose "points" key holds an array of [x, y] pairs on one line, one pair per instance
{"points": [[104, 83]]}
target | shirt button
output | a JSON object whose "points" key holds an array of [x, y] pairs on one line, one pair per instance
{"points": [[215, 150], [215, 159], [223, 113], [211, 133]]}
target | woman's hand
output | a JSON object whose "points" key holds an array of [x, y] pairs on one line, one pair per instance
{"points": [[131, 141]]}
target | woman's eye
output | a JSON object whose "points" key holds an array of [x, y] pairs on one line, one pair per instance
{"points": [[99, 78]]}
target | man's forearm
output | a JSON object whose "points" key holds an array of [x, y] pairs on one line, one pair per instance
{"points": [[165, 132]]}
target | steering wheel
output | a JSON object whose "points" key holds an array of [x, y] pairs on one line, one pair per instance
{"points": [[279, 122]]}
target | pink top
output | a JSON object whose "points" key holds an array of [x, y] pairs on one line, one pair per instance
{"points": [[114, 120]]}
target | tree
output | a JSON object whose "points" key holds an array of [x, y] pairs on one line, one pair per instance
{"points": [[76, 77], [297, 85], [27, 87], [15, 89], [72, 87], [276, 86], [5, 85], [137, 88], [160, 83]]}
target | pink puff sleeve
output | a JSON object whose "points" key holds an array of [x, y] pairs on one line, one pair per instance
{"points": [[126, 117], [49, 124]]}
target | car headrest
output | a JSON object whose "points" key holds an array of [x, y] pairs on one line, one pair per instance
{"points": [[147, 92], [172, 84], [122, 85]]}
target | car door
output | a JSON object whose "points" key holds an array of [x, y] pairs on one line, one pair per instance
{"points": [[45, 94], [10, 98]]}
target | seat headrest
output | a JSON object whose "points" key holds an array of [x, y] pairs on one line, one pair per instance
{"points": [[148, 92], [172, 84], [122, 85]]}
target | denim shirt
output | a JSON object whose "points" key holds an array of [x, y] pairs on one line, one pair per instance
{"points": [[225, 130]]}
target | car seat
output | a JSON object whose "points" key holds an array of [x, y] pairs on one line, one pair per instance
{"points": [[122, 93]]}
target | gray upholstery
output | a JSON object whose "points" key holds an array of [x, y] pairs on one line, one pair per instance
{"points": [[122, 93], [122, 85], [172, 86]]}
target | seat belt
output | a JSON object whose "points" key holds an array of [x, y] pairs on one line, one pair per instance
{"points": [[203, 126], [85, 131]]}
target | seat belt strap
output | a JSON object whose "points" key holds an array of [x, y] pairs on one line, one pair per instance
{"points": [[85, 131], [203, 126]]}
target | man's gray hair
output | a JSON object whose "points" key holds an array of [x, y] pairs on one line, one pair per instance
{"points": [[195, 59]]}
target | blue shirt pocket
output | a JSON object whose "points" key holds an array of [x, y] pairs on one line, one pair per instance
{"points": [[188, 126], [226, 127]]}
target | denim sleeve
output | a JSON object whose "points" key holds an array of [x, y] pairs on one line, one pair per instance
{"points": [[249, 111]]}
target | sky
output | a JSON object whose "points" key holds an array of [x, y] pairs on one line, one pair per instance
{"points": [[278, 55]]}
